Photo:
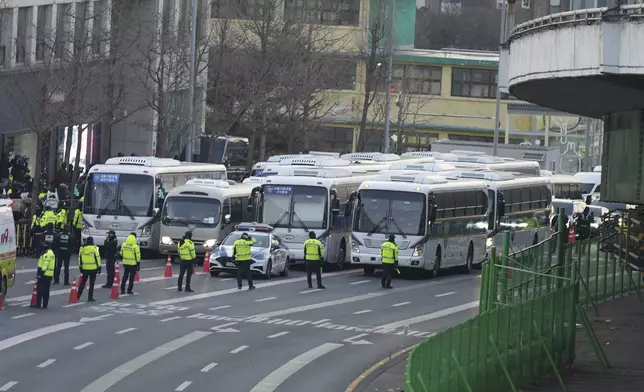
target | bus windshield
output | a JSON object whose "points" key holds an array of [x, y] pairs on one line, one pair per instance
{"points": [[295, 206], [376, 208], [119, 194], [587, 188], [183, 210]]}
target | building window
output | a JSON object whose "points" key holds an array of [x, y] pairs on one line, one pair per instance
{"points": [[62, 20], [470, 138], [80, 28], [418, 141], [335, 139], [410, 79], [184, 18], [475, 83], [374, 140], [325, 12], [97, 27], [44, 15], [341, 74], [6, 16], [21, 35]]}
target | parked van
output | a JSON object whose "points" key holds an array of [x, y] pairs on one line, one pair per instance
{"points": [[7, 247]]}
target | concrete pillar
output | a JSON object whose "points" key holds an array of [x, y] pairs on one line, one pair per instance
{"points": [[70, 21], [30, 39], [507, 127], [89, 26], [11, 52], [50, 27]]}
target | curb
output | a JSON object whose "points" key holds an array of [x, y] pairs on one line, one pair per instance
{"points": [[362, 377]]}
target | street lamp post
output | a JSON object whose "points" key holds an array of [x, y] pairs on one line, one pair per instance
{"points": [[191, 89], [497, 116], [390, 58]]}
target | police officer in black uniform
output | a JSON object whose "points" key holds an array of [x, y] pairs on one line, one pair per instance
{"points": [[111, 251], [583, 226], [48, 236], [62, 249]]}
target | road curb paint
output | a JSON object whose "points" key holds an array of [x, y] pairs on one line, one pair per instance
{"points": [[356, 383]]}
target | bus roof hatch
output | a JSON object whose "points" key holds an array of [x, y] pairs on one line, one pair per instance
{"points": [[143, 161], [212, 183], [482, 175]]}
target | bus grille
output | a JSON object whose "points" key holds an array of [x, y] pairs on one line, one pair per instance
{"points": [[115, 225], [369, 243]]}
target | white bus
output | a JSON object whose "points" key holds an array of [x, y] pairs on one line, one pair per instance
{"points": [[208, 208], [527, 168], [260, 167], [566, 187], [520, 205], [300, 200], [437, 223], [123, 195]]}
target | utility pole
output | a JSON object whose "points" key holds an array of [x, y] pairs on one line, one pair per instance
{"points": [[191, 89], [497, 116], [390, 59]]}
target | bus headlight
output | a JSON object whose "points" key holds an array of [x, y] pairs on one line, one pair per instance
{"points": [[489, 242], [166, 240], [418, 251], [354, 247], [146, 232], [210, 243]]}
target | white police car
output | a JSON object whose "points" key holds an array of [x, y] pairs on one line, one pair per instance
{"points": [[269, 253]]}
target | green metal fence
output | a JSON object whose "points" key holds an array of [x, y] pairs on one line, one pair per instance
{"points": [[529, 306]]}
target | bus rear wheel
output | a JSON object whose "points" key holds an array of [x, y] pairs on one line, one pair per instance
{"points": [[467, 268]]}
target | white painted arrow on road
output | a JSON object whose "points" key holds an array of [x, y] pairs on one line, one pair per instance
{"points": [[225, 328], [356, 339], [97, 318]]}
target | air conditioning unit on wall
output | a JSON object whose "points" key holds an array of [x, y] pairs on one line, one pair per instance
{"points": [[525, 4]]}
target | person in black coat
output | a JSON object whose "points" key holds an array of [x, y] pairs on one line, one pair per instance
{"points": [[111, 251]]}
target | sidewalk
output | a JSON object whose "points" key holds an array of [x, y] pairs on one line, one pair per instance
{"points": [[388, 378], [620, 330]]}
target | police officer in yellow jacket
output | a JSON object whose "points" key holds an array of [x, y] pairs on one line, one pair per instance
{"points": [[131, 254], [389, 259], [89, 260], [48, 217], [61, 217], [46, 266], [244, 259], [313, 257], [187, 254], [77, 224]]}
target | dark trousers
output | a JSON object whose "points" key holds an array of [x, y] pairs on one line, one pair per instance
{"points": [[83, 282], [243, 269], [311, 267], [62, 260], [109, 266], [185, 268], [77, 238], [387, 274], [128, 274], [44, 284]]}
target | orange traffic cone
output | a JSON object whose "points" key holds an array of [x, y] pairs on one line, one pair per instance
{"points": [[117, 273], [34, 297], [114, 294], [206, 263], [73, 295], [136, 277], [168, 268]]}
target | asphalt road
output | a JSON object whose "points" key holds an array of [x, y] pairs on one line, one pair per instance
{"points": [[280, 337]]}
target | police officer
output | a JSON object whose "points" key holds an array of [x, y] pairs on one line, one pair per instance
{"points": [[48, 217], [46, 266], [131, 254], [61, 217], [187, 255], [389, 260], [47, 235], [77, 223], [583, 226], [243, 259], [110, 250], [89, 260], [313, 257], [62, 248]]}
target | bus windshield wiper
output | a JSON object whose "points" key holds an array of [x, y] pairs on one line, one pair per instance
{"points": [[126, 209], [280, 219], [101, 211], [400, 231], [377, 226], [300, 221]]}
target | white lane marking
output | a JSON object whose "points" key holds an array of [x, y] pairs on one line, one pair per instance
{"points": [[362, 311], [271, 382], [239, 349], [30, 282], [357, 298], [209, 367], [82, 346], [400, 304], [183, 386], [445, 294], [430, 316], [72, 305], [235, 290], [355, 340], [171, 288], [27, 336], [226, 279], [220, 307], [46, 363], [277, 335], [360, 282], [170, 319], [310, 291], [114, 376], [8, 386], [126, 330], [22, 316], [320, 321], [265, 299]]}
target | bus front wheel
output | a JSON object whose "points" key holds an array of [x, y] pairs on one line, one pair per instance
{"points": [[342, 255], [369, 271], [437, 263]]}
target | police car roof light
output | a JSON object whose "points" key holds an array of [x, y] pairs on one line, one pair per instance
{"points": [[254, 227]]}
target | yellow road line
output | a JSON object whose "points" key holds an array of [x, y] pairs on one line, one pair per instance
{"points": [[355, 383]]}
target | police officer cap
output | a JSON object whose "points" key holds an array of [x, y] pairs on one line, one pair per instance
{"points": [[134, 234], [112, 232], [245, 236], [392, 237], [311, 234], [188, 234], [90, 241]]}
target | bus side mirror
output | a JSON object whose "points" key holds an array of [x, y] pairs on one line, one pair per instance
{"points": [[432, 212], [227, 218], [501, 207], [335, 206], [157, 212]]}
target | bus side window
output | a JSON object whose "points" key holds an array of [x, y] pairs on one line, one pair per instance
{"points": [[440, 205], [460, 203], [247, 216], [226, 209], [236, 209], [526, 199], [471, 203]]}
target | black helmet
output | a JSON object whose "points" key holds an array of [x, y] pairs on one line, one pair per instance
{"points": [[245, 236], [49, 226], [188, 235], [89, 241], [134, 234], [111, 233], [392, 238], [311, 234]]}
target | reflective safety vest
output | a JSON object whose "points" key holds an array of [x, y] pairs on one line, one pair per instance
{"points": [[61, 217], [313, 249], [131, 253], [78, 219], [389, 253], [47, 218], [47, 262], [241, 249], [89, 258], [187, 250], [35, 221]]}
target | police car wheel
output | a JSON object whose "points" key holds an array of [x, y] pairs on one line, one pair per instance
{"points": [[284, 273], [214, 273], [269, 269]]}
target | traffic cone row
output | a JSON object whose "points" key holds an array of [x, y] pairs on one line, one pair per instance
{"points": [[168, 268], [73, 294], [114, 294], [206, 263], [34, 296]]}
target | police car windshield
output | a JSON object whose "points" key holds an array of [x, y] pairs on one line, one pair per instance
{"points": [[262, 239]]}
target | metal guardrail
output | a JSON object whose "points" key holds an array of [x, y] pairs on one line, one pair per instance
{"points": [[586, 16]]}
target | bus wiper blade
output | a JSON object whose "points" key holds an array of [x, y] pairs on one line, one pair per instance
{"points": [[400, 231], [377, 226], [280, 219], [300, 221], [127, 210], [101, 211]]}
